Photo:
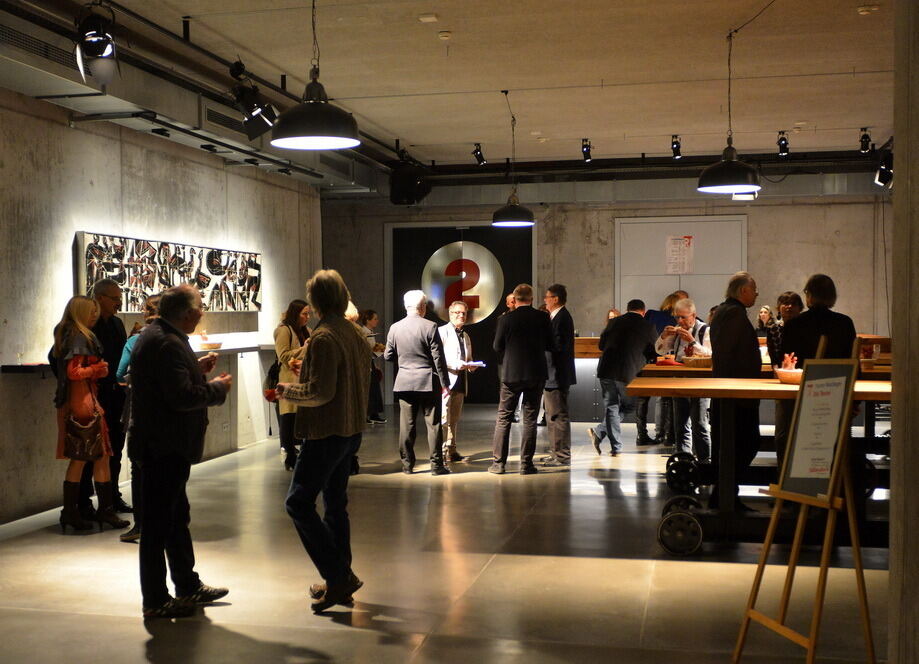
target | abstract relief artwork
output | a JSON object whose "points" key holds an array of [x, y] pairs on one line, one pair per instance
{"points": [[228, 279]]}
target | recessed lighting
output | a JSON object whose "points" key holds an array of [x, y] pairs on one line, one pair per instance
{"points": [[428, 18], [444, 35], [868, 10], [542, 139]]}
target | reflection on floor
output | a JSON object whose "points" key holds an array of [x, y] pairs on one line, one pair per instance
{"points": [[472, 567]]}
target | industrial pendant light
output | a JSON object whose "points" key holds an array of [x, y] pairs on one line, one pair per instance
{"points": [[315, 124], [512, 214], [730, 175]]}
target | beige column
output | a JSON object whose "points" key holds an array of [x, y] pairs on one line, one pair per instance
{"points": [[903, 607]]}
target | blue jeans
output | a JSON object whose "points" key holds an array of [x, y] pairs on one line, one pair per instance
{"points": [[615, 404], [324, 466], [695, 411]]}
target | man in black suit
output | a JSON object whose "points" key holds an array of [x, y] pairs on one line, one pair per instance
{"points": [[522, 339], [413, 344], [560, 366], [627, 344], [735, 354], [169, 403], [110, 332]]}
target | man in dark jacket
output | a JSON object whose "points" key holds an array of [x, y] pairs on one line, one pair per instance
{"points": [[560, 365], [110, 332], [522, 338], [627, 344], [735, 354], [170, 397], [413, 345]]}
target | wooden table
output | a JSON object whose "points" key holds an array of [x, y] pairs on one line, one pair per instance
{"points": [[741, 388], [682, 371]]}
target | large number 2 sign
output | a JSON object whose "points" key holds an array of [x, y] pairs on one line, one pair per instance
{"points": [[463, 271], [468, 272]]}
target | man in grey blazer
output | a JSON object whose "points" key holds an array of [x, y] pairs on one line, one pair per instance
{"points": [[414, 346]]}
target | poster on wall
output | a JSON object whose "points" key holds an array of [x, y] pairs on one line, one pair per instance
{"points": [[679, 251], [228, 279]]}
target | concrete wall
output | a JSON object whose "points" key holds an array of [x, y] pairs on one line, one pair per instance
{"points": [[56, 180], [788, 239]]}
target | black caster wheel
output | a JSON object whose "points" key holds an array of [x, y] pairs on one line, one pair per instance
{"points": [[680, 504], [679, 456], [680, 533], [682, 477]]}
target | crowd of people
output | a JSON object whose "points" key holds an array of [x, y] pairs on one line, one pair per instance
{"points": [[329, 389]]}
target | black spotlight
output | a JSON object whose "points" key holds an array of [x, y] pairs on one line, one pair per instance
{"points": [[408, 184], [675, 146], [864, 142], [783, 144], [95, 45], [883, 177], [585, 150], [260, 115], [479, 157]]}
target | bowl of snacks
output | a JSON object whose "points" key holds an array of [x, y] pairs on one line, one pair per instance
{"points": [[211, 345], [789, 376]]}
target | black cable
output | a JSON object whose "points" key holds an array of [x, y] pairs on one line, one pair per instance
{"points": [[768, 5]]}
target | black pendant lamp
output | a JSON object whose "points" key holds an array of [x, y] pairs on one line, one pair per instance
{"points": [[730, 175], [513, 214], [315, 124]]}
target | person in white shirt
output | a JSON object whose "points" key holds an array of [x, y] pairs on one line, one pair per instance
{"points": [[458, 353], [690, 337]]}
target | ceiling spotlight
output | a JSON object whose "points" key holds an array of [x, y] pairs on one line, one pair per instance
{"points": [[95, 46], [864, 141], [315, 124], [260, 115], [730, 175], [783, 144], [675, 146], [585, 150], [512, 214], [479, 157], [884, 175], [745, 197]]}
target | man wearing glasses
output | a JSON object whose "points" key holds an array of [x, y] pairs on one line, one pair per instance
{"points": [[690, 337], [110, 332], [458, 354]]}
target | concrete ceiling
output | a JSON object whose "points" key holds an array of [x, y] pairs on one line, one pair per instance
{"points": [[626, 74]]}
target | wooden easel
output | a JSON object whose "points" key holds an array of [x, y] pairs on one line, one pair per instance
{"points": [[829, 501]]}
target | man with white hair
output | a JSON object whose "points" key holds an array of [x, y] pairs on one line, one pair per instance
{"points": [[690, 337], [414, 346], [735, 354]]}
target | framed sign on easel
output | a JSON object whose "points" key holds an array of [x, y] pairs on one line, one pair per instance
{"points": [[815, 474]]}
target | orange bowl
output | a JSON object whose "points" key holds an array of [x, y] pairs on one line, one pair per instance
{"points": [[789, 376]]}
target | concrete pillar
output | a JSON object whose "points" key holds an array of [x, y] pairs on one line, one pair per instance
{"points": [[903, 611]]}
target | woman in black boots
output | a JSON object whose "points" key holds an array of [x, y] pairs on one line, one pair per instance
{"points": [[79, 365]]}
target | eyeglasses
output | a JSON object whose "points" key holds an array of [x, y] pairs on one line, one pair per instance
{"points": [[116, 298], [457, 313], [685, 316]]}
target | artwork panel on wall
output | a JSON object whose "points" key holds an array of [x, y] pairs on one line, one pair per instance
{"points": [[228, 279]]}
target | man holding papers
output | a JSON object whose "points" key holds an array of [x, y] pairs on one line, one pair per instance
{"points": [[458, 353]]}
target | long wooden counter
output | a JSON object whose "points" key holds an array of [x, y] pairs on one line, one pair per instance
{"points": [[741, 388], [662, 371]]}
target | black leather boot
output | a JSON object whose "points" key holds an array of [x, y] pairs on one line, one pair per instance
{"points": [[106, 510], [70, 515]]}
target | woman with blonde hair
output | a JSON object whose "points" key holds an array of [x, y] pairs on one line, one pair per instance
{"points": [[78, 355]]}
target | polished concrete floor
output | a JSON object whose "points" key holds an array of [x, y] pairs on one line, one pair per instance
{"points": [[556, 567]]}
